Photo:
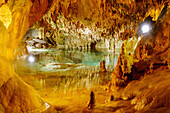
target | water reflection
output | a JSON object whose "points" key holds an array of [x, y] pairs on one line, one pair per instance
{"points": [[78, 57], [64, 60], [67, 83], [64, 70]]}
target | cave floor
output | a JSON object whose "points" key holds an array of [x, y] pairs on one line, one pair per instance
{"points": [[66, 78], [69, 94], [74, 99], [68, 90], [77, 101], [71, 88]]}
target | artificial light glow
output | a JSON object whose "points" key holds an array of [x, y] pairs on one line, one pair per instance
{"points": [[87, 31], [145, 28], [31, 58], [47, 105], [139, 38]]}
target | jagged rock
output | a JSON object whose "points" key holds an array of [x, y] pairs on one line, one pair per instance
{"points": [[117, 73], [122, 71], [150, 54]]}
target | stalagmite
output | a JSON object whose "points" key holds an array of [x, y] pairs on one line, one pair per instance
{"points": [[102, 66], [91, 104]]}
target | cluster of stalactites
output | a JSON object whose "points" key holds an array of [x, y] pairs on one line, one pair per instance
{"points": [[107, 19]]}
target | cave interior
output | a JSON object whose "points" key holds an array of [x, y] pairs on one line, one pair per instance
{"points": [[94, 56]]}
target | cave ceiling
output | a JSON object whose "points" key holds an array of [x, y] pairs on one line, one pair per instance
{"points": [[99, 18]]}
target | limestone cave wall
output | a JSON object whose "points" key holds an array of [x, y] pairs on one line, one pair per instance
{"points": [[15, 19]]}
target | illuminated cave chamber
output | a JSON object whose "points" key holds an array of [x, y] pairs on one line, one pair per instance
{"points": [[137, 30], [59, 32]]}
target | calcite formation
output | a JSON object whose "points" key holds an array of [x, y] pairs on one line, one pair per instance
{"points": [[123, 69]]}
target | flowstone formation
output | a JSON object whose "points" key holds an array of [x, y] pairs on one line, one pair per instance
{"points": [[15, 19]]}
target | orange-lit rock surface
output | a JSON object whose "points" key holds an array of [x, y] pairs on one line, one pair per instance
{"points": [[102, 66], [15, 19], [151, 53], [149, 66], [149, 90]]}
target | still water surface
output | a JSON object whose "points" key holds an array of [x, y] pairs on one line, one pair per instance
{"points": [[61, 70]]}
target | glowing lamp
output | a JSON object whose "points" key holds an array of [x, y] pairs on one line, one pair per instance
{"points": [[145, 28], [31, 58]]}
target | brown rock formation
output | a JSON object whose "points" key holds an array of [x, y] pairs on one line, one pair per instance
{"points": [[102, 66], [91, 104], [123, 68], [37, 10], [149, 93], [151, 53], [148, 54]]}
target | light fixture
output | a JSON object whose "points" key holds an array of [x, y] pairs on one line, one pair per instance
{"points": [[145, 28], [31, 58]]}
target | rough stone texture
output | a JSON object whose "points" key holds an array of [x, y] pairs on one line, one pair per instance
{"points": [[15, 95], [123, 68], [150, 92], [105, 19], [37, 10], [151, 53]]}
